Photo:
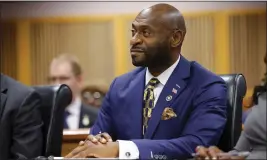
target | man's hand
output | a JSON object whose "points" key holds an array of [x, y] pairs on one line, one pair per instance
{"points": [[213, 153], [88, 149], [102, 138], [207, 153]]}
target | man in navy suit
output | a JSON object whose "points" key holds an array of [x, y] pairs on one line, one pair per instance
{"points": [[65, 69], [167, 106]]}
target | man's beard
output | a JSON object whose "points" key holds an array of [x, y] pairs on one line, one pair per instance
{"points": [[161, 57]]}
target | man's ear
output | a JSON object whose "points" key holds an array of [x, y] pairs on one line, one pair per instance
{"points": [[177, 38]]}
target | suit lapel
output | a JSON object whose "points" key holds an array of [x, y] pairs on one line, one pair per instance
{"points": [[80, 119], [3, 95], [2, 107], [137, 85], [172, 89]]}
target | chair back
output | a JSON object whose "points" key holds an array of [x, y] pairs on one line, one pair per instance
{"points": [[54, 101], [236, 90]]}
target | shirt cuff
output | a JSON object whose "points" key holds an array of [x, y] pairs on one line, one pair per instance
{"points": [[128, 150]]}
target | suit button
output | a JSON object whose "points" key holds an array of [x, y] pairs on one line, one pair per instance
{"points": [[127, 154]]}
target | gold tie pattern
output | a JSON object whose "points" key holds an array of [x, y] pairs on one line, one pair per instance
{"points": [[149, 102]]}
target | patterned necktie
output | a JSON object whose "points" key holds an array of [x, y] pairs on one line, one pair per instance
{"points": [[149, 102]]}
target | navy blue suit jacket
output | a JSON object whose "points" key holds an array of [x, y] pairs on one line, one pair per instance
{"points": [[200, 106]]}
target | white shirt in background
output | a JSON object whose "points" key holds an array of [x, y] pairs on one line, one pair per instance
{"points": [[74, 109]]}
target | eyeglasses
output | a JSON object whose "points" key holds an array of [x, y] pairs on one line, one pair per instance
{"points": [[95, 95], [59, 78]]}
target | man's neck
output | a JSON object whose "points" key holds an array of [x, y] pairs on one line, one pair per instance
{"points": [[157, 70], [75, 97]]}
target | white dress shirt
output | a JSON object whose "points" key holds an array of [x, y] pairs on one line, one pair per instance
{"points": [[74, 109], [128, 149]]}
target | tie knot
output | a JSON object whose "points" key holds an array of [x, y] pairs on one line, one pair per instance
{"points": [[153, 82]]}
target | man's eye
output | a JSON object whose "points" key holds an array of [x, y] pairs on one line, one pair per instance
{"points": [[133, 32], [146, 33]]}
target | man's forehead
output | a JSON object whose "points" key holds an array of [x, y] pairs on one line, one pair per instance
{"points": [[142, 23], [151, 18], [58, 63], [152, 22], [60, 67], [148, 12]]}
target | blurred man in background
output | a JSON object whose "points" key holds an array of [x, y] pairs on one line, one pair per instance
{"points": [[65, 69]]}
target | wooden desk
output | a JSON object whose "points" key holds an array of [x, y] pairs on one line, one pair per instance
{"points": [[71, 139]]}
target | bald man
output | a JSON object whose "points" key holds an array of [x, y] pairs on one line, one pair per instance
{"points": [[167, 106]]}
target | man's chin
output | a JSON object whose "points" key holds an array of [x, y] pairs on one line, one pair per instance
{"points": [[138, 63]]}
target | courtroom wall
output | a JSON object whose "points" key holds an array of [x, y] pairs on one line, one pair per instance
{"points": [[54, 9], [228, 37]]}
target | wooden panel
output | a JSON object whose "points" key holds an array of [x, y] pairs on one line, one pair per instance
{"points": [[71, 139], [221, 44], [248, 46], [45, 40], [91, 42], [199, 40], [23, 52], [8, 52], [128, 35], [120, 45]]}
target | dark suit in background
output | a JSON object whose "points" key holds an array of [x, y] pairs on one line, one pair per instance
{"points": [[20, 122], [87, 113], [82, 116]]}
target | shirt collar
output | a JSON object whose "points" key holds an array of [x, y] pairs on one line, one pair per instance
{"points": [[163, 77], [74, 107]]}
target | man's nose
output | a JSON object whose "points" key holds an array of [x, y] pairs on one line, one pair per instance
{"points": [[135, 40], [56, 81]]}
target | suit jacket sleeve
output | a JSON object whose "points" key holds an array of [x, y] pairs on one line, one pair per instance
{"points": [[204, 126], [27, 134], [104, 119], [242, 143], [253, 136]]}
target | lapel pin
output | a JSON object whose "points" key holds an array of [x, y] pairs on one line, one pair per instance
{"points": [[174, 91], [85, 120], [168, 98]]}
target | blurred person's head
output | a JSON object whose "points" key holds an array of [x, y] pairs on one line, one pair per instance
{"points": [[157, 36], [65, 69], [93, 95]]}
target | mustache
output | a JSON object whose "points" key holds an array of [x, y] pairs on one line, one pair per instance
{"points": [[137, 49]]}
